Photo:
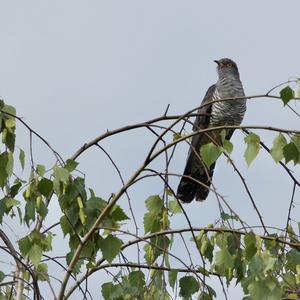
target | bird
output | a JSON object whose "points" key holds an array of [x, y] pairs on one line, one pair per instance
{"points": [[220, 113]]}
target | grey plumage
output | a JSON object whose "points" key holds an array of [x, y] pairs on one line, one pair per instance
{"points": [[196, 178]]}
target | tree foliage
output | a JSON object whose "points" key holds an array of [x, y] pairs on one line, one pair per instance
{"points": [[264, 262]]}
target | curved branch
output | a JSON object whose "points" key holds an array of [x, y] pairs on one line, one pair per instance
{"points": [[32, 131], [164, 117]]}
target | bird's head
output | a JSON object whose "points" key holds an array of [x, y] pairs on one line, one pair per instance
{"points": [[227, 67]]}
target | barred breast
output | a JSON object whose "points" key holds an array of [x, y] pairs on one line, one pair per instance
{"points": [[228, 112]]}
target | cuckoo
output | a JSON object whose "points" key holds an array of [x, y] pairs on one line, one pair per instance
{"points": [[196, 178]]}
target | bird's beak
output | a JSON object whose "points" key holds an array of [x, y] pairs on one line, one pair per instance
{"points": [[217, 62]]}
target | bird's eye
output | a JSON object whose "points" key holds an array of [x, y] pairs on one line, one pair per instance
{"points": [[229, 65]]}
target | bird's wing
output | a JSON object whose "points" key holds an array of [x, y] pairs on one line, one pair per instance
{"points": [[187, 188], [202, 121]]}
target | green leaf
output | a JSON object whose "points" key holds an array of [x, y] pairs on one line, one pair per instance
{"points": [[292, 234], [9, 140], [269, 261], [224, 261], [45, 187], [74, 241], [296, 140], [71, 165], [35, 254], [221, 239], [151, 222], [2, 209], [9, 109], [258, 290], [252, 140], [10, 164], [137, 279], [42, 272], [22, 158], [188, 286], [24, 245], [3, 172], [172, 275], [46, 242], [41, 170], [154, 204], [167, 261], [159, 243], [10, 202], [211, 291], [149, 257], [209, 153], [226, 216], [293, 258], [61, 174], [250, 245], [174, 207], [107, 289], [78, 265], [277, 149], [4, 134], [10, 124], [14, 189], [33, 246], [29, 211], [158, 281], [290, 152], [2, 276], [65, 226], [176, 136], [286, 94], [89, 250], [82, 216], [41, 208], [112, 292], [223, 134], [256, 265], [96, 204], [205, 296], [239, 266], [110, 247], [207, 249], [118, 214], [228, 146], [19, 214]]}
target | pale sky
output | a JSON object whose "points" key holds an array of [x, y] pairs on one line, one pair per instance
{"points": [[74, 69]]}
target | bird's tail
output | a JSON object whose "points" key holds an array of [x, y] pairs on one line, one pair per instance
{"points": [[195, 184]]}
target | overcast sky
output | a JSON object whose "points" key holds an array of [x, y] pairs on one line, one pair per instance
{"points": [[74, 69]]}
